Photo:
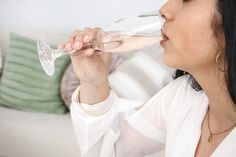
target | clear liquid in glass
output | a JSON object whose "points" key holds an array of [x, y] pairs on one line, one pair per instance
{"points": [[124, 35]]}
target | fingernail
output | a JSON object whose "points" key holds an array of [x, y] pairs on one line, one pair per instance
{"points": [[77, 45], [78, 38], [68, 46], [86, 38]]}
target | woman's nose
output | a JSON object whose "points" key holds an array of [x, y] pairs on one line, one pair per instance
{"points": [[162, 15], [165, 12]]}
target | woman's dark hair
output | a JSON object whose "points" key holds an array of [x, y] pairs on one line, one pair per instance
{"points": [[226, 25]]}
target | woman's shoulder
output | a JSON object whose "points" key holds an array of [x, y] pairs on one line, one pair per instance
{"points": [[180, 81], [181, 96], [179, 93], [178, 86], [182, 85]]}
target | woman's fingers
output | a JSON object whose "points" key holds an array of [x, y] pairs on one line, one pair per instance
{"points": [[90, 35], [78, 53], [77, 45], [84, 52], [84, 37], [79, 38], [69, 45]]}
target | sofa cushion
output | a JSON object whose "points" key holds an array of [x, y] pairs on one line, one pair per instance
{"points": [[24, 84], [142, 75]]}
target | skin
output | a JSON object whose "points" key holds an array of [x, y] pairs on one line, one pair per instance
{"points": [[191, 47], [89, 65]]}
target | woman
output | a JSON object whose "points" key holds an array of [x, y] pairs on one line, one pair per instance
{"points": [[192, 116]]}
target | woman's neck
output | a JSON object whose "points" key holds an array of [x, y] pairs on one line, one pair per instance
{"points": [[222, 108]]}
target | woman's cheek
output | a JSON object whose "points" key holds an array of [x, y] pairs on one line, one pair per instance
{"points": [[181, 53], [173, 56]]}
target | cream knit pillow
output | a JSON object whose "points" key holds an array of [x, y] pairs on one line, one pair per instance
{"points": [[142, 76]]}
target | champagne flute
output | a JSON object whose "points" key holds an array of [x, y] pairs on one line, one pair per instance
{"points": [[124, 35]]}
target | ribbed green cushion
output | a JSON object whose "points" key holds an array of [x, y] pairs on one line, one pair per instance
{"points": [[24, 85]]}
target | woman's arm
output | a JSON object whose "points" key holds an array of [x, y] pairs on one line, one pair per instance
{"points": [[114, 126], [92, 122]]}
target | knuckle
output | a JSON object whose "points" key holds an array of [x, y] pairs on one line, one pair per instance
{"points": [[71, 38], [78, 37], [86, 30], [97, 28], [76, 32]]}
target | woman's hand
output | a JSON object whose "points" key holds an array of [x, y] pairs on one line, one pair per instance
{"points": [[91, 66]]}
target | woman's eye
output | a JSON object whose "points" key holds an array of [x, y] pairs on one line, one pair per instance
{"points": [[186, 1]]}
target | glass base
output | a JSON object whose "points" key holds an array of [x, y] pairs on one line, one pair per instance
{"points": [[45, 54]]}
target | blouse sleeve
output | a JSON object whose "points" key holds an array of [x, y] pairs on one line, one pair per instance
{"points": [[119, 127]]}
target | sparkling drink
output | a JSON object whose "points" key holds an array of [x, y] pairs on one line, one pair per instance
{"points": [[124, 35]]}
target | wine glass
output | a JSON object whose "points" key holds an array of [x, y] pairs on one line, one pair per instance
{"points": [[124, 35]]}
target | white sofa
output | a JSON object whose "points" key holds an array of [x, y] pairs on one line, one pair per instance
{"points": [[28, 134]]}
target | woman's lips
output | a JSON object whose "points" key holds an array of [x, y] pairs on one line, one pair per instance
{"points": [[164, 38]]}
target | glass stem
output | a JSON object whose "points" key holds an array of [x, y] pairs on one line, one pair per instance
{"points": [[60, 52]]}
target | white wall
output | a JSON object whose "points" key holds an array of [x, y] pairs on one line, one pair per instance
{"points": [[53, 17]]}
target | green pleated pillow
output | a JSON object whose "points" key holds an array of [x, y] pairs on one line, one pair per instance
{"points": [[24, 85]]}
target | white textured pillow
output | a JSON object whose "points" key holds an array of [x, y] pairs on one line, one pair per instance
{"points": [[141, 76]]}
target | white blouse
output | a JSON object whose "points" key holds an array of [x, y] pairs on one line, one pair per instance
{"points": [[169, 124]]}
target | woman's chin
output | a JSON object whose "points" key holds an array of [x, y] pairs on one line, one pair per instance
{"points": [[169, 60]]}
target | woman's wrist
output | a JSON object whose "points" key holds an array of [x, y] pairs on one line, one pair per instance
{"points": [[91, 94]]}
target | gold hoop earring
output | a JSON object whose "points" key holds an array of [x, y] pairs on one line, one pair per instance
{"points": [[217, 61]]}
